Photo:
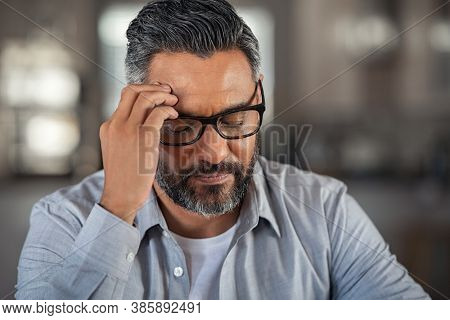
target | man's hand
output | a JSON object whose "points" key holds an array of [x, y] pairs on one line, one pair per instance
{"points": [[126, 188]]}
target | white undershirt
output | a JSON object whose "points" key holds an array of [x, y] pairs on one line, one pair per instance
{"points": [[204, 258]]}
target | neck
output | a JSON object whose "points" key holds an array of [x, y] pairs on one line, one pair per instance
{"points": [[190, 224]]}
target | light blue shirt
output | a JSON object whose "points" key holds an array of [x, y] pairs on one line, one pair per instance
{"points": [[300, 236]]}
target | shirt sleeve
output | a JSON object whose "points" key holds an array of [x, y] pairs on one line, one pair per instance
{"points": [[60, 262], [362, 267]]}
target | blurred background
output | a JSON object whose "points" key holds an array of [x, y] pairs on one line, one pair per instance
{"points": [[377, 103]]}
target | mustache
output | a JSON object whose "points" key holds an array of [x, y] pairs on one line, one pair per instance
{"points": [[204, 168]]}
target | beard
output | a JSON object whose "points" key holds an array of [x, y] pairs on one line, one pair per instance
{"points": [[207, 200]]}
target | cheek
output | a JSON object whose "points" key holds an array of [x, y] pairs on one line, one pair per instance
{"points": [[243, 149]]}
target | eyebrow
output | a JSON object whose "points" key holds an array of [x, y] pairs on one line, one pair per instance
{"points": [[229, 108], [232, 107]]}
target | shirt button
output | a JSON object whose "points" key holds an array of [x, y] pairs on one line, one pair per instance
{"points": [[165, 234], [130, 257], [178, 272]]}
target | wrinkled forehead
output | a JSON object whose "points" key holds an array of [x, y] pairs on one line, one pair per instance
{"points": [[204, 86]]}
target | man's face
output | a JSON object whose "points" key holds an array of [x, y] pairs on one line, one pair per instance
{"points": [[209, 177]]}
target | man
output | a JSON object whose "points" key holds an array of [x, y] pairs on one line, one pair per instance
{"points": [[185, 208]]}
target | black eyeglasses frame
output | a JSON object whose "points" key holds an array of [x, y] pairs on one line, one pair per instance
{"points": [[261, 107]]}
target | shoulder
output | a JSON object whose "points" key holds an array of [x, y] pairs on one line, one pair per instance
{"points": [[87, 190], [71, 204], [310, 201], [301, 199], [293, 179]]}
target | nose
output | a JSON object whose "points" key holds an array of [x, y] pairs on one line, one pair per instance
{"points": [[211, 147]]}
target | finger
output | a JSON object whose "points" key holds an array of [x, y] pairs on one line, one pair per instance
{"points": [[152, 126], [157, 116], [130, 93], [146, 101]]}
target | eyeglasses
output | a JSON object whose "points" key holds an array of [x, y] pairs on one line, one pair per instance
{"points": [[236, 123]]}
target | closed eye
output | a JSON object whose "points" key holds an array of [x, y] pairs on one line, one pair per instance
{"points": [[234, 123], [180, 130]]}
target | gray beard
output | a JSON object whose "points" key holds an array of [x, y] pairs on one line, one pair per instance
{"points": [[212, 200]]}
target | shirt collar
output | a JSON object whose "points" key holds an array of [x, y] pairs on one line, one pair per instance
{"points": [[256, 205], [149, 215]]}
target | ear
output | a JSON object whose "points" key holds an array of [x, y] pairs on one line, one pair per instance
{"points": [[261, 78]]}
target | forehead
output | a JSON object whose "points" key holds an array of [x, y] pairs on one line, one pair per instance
{"points": [[204, 86]]}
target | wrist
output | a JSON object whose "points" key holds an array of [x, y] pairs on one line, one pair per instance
{"points": [[120, 209]]}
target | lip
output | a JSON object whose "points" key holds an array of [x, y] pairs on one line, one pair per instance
{"points": [[212, 178]]}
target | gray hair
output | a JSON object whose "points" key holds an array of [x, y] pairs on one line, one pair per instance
{"points": [[200, 27]]}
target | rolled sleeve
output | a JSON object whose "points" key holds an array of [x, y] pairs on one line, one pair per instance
{"points": [[66, 258], [107, 242]]}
